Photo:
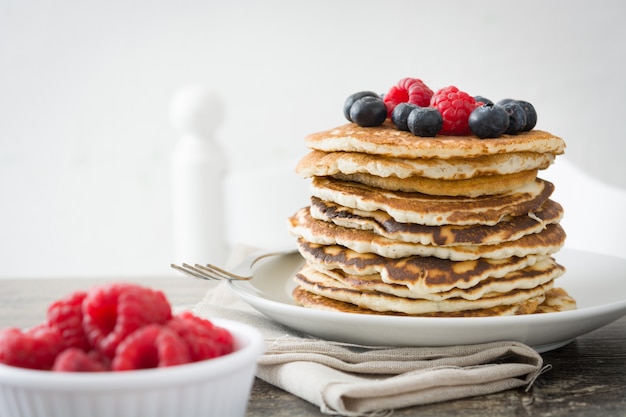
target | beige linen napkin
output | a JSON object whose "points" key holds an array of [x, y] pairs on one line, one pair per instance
{"points": [[352, 380]]}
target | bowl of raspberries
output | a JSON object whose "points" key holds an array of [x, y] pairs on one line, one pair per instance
{"points": [[120, 350]]}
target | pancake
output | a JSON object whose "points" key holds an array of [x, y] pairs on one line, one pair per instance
{"points": [[471, 187], [311, 300], [318, 283], [303, 225], [386, 140], [319, 164], [339, 257], [381, 223], [540, 273], [421, 275], [557, 299], [434, 210]]}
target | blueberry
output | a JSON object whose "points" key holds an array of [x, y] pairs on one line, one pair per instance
{"points": [[504, 101], [368, 111], [354, 97], [425, 121], [488, 121], [531, 115], [517, 117], [400, 114], [483, 100]]}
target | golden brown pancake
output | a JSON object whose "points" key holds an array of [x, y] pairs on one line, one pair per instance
{"points": [[421, 275], [434, 210], [311, 300], [471, 187], [557, 299], [320, 164], [340, 257], [542, 272], [321, 284], [388, 141], [303, 225], [432, 275], [381, 223]]}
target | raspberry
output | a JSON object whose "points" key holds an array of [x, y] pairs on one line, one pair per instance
{"points": [[35, 349], [205, 340], [112, 312], [455, 107], [66, 315], [411, 90], [152, 346], [77, 360]]}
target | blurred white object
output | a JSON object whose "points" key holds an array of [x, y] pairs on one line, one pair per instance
{"points": [[198, 167], [213, 387], [594, 210], [260, 202]]}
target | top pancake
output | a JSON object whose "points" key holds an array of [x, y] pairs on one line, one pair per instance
{"points": [[389, 141]]}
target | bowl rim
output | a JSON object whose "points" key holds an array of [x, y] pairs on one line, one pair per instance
{"points": [[249, 346]]}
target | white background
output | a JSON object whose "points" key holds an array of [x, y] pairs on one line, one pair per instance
{"points": [[85, 86]]}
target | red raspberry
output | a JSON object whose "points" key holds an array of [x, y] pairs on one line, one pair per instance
{"points": [[112, 312], [66, 315], [455, 107], [205, 340], [77, 360], [412, 90], [152, 346], [35, 349]]}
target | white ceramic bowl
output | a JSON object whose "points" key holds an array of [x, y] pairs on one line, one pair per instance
{"points": [[216, 387]]}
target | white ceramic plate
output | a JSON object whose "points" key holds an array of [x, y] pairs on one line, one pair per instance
{"points": [[597, 282]]}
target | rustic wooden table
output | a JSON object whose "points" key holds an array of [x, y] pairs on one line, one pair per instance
{"points": [[588, 376]]}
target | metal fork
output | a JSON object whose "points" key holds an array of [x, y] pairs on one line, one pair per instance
{"points": [[241, 272]]}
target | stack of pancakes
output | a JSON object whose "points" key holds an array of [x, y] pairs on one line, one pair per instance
{"points": [[445, 226]]}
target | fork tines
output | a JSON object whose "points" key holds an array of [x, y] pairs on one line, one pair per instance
{"points": [[200, 271]]}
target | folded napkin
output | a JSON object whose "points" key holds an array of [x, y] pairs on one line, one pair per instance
{"points": [[353, 380]]}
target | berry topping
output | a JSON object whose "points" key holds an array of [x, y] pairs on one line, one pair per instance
{"points": [[531, 115], [112, 312], [411, 90], [455, 107], [425, 121], [517, 117], [489, 121], [368, 111], [504, 101], [66, 315], [77, 360], [35, 349], [481, 99], [205, 340], [400, 114], [152, 346], [347, 105]]}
